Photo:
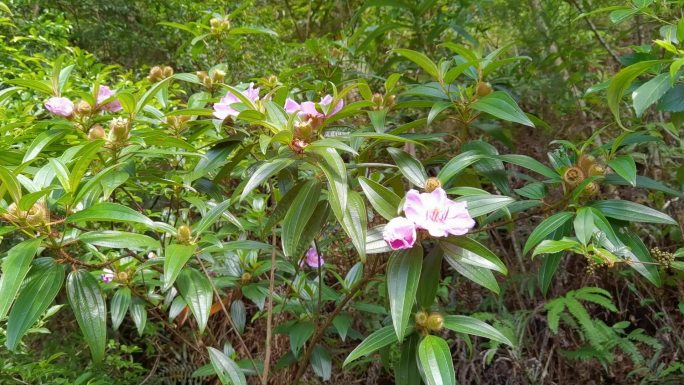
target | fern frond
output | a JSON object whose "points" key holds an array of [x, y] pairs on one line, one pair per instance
{"points": [[600, 300], [591, 333], [554, 308], [593, 290], [640, 336]]}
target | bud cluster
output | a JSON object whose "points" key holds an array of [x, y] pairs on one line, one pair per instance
{"points": [[184, 234], [433, 322], [177, 123], [587, 166], [663, 257], [158, 73], [381, 102], [218, 25], [37, 215], [119, 131], [209, 80]]}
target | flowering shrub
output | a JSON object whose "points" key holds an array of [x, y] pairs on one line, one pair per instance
{"points": [[185, 198]]}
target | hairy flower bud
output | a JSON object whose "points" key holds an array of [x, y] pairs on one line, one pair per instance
{"points": [[421, 318], [122, 276], [573, 176], [272, 80], [586, 162], [156, 74], [597, 170], [184, 234], [431, 184], [167, 72], [298, 145], [96, 132], [246, 277], [219, 76], [14, 213], [389, 101], [119, 130], [435, 322], [37, 215], [304, 130], [83, 108], [201, 75], [591, 189], [378, 100], [483, 89]]}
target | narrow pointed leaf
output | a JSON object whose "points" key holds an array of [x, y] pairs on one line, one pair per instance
{"points": [[90, 309]]}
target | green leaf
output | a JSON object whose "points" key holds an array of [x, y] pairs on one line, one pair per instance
{"points": [[138, 314], [406, 368], [625, 167], [151, 92], [119, 240], [383, 200], [321, 362], [545, 228], [632, 212], [109, 212], [551, 261], [14, 269], [584, 225], [299, 333], [470, 251], [376, 340], [119, 304], [429, 278], [475, 327], [175, 258], [196, 290], [419, 58], [264, 172], [501, 105], [333, 167], [90, 309], [210, 217], [32, 302], [40, 142], [409, 166], [403, 275], [355, 222], [228, 372], [622, 80], [436, 361], [436, 109], [549, 246], [298, 216], [458, 164], [252, 31], [41, 86], [478, 274], [479, 205], [9, 182], [530, 164], [650, 92], [640, 253]]}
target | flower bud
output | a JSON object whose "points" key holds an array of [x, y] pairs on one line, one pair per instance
{"points": [[13, 213], [119, 130], [272, 80], [219, 76], [122, 276], [96, 132], [431, 184], [184, 233], [573, 176], [156, 73], [202, 75], [208, 82], [215, 22], [36, 215], [591, 189], [298, 145], [597, 170], [390, 100], [586, 162], [167, 71], [421, 318], [483, 89], [435, 322], [304, 130], [378, 100], [83, 108], [246, 277]]}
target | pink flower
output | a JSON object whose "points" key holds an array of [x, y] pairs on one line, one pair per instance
{"points": [[313, 259], [60, 106], [437, 214], [107, 276], [223, 108], [105, 93], [308, 109], [400, 233]]}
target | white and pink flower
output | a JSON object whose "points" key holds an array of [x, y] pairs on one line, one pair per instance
{"points": [[224, 109], [104, 93], [309, 110], [313, 259], [433, 212], [60, 106]]}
